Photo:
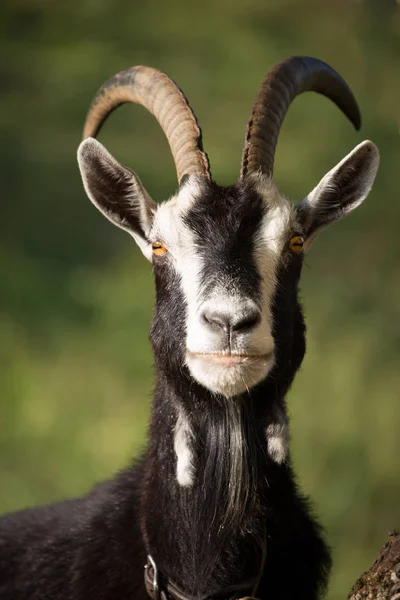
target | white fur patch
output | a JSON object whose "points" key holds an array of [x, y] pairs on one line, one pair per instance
{"points": [[184, 465], [277, 436], [238, 489]]}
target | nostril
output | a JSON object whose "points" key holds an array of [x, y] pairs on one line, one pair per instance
{"points": [[216, 320], [247, 321]]}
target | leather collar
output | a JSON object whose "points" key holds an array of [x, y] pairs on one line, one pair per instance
{"points": [[159, 587]]}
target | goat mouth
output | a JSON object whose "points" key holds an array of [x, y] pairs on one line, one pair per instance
{"points": [[231, 359]]}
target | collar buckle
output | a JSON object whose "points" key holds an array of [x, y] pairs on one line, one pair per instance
{"points": [[151, 579], [157, 589]]}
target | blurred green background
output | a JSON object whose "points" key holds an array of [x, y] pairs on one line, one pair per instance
{"points": [[76, 295]]}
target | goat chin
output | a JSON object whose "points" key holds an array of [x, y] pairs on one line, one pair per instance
{"points": [[229, 375]]}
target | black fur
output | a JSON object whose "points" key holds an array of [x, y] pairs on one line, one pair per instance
{"points": [[225, 224], [95, 547]]}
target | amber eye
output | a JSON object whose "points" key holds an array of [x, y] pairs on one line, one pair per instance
{"points": [[296, 244], [158, 248]]}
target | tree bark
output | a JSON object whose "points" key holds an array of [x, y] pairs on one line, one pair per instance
{"points": [[382, 580]]}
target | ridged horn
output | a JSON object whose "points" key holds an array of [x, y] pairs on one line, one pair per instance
{"points": [[282, 84], [161, 96]]}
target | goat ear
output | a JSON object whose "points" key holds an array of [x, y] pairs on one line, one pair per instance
{"points": [[117, 192], [340, 191]]}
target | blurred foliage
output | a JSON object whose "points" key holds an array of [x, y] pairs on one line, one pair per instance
{"points": [[76, 296]]}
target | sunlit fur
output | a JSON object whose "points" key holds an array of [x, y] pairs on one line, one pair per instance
{"points": [[182, 445], [277, 436]]}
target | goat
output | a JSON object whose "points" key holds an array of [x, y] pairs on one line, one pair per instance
{"points": [[211, 508]]}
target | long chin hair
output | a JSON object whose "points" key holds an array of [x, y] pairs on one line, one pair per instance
{"points": [[226, 503]]}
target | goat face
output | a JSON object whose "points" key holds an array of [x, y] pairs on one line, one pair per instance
{"points": [[224, 247], [226, 260]]}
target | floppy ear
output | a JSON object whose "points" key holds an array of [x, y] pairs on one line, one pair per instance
{"points": [[117, 192], [340, 191]]}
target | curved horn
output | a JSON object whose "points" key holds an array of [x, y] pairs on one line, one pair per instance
{"points": [[161, 96], [282, 84]]}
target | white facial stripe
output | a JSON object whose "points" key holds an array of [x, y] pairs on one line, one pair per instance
{"points": [[280, 218], [184, 465], [267, 253], [179, 239], [189, 193], [272, 236]]}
